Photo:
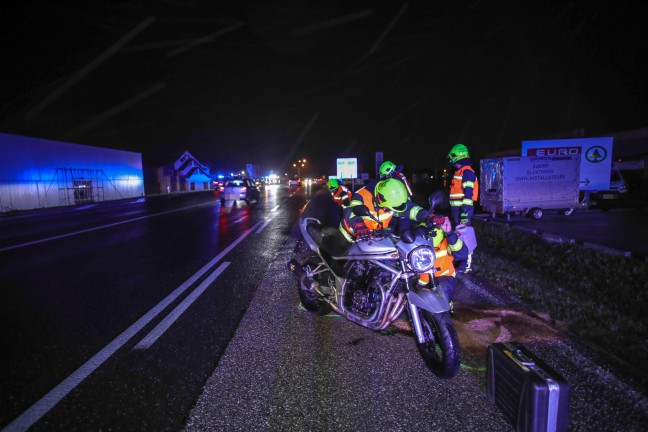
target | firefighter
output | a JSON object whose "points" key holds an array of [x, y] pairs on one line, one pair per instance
{"points": [[387, 202], [389, 169], [341, 195], [448, 247], [464, 188], [464, 191]]}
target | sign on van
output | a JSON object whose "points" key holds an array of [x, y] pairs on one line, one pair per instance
{"points": [[595, 154]]}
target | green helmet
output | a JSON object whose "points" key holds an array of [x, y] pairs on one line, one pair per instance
{"points": [[387, 169], [457, 153], [333, 184], [391, 193]]}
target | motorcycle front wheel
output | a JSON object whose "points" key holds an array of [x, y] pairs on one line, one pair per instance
{"points": [[440, 351]]}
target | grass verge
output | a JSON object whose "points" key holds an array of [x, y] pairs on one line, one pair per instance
{"points": [[601, 299]]}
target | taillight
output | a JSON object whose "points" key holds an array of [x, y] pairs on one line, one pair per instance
{"points": [[222, 188]]}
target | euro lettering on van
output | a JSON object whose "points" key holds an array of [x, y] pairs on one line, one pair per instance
{"points": [[554, 151]]}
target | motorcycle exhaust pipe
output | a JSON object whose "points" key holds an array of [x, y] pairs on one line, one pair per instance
{"points": [[307, 282]]}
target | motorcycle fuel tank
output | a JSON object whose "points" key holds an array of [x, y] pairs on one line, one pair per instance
{"points": [[373, 249]]}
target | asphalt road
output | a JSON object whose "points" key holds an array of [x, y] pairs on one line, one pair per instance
{"points": [[83, 287], [288, 370]]}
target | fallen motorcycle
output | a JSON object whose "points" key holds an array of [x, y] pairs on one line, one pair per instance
{"points": [[373, 280]]}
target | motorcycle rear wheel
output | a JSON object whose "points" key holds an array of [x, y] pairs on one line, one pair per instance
{"points": [[311, 301], [440, 351]]}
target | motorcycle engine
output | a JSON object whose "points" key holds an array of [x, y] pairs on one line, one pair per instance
{"points": [[363, 293]]}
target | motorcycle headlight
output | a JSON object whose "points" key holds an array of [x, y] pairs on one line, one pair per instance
{"points": [[421, 259]]}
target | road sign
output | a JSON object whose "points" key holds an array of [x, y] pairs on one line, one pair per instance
{"points": [[347, 168], [595, 154]]}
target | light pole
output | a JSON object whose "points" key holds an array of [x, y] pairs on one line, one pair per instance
{"points": [[299, 165]]}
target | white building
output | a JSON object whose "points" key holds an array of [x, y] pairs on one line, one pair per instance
{"points": [[38, 173], [186, 174]]}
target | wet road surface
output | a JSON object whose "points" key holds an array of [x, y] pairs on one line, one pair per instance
{"points": [[241, 354], [286, 369], [83, 287]]}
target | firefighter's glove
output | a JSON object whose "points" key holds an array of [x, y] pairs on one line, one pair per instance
{"points": [[436, 220], [361, 230]]}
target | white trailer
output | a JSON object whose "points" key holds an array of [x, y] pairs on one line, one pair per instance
{"points": [[529, 185]]}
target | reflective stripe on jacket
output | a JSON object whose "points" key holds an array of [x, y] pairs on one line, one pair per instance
{"points": [[341, 194], [443, 250], [459, 185], [384, 215]]}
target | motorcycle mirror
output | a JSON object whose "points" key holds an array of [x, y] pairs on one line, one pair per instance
{"points": [[420, 232]]}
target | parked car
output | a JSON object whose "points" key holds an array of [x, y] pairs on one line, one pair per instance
{"points": [[239, 189], [294, 183]]}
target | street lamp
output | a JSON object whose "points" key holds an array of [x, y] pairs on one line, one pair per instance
{"points": [[301, 163]]}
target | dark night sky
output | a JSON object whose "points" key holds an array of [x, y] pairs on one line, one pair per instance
{"points": [[269, 82]]}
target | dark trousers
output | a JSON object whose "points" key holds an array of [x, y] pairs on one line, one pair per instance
{"points": [[462, 266], [448, 285], [455, 211]]}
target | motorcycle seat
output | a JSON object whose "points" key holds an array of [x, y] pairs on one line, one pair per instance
{"points": [[329, 239]]}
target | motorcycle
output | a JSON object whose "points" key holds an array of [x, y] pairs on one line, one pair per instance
{"points": [[372, 281]]}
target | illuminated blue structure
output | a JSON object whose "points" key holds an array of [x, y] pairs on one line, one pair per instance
{"points": [[38, 173]]}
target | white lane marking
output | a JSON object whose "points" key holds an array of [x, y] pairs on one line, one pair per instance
{"points": [[263, 226], [96, 228], [49, 401], [168, 321], [235, 221], [274, 209]]}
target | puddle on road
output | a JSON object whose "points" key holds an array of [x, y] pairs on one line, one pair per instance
{"points": [[479, 327]]}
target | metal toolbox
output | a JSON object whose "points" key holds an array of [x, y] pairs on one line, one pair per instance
{"points": [[529, 393]]}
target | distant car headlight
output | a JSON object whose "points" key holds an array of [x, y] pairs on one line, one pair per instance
{"points": [[421, 259]]}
